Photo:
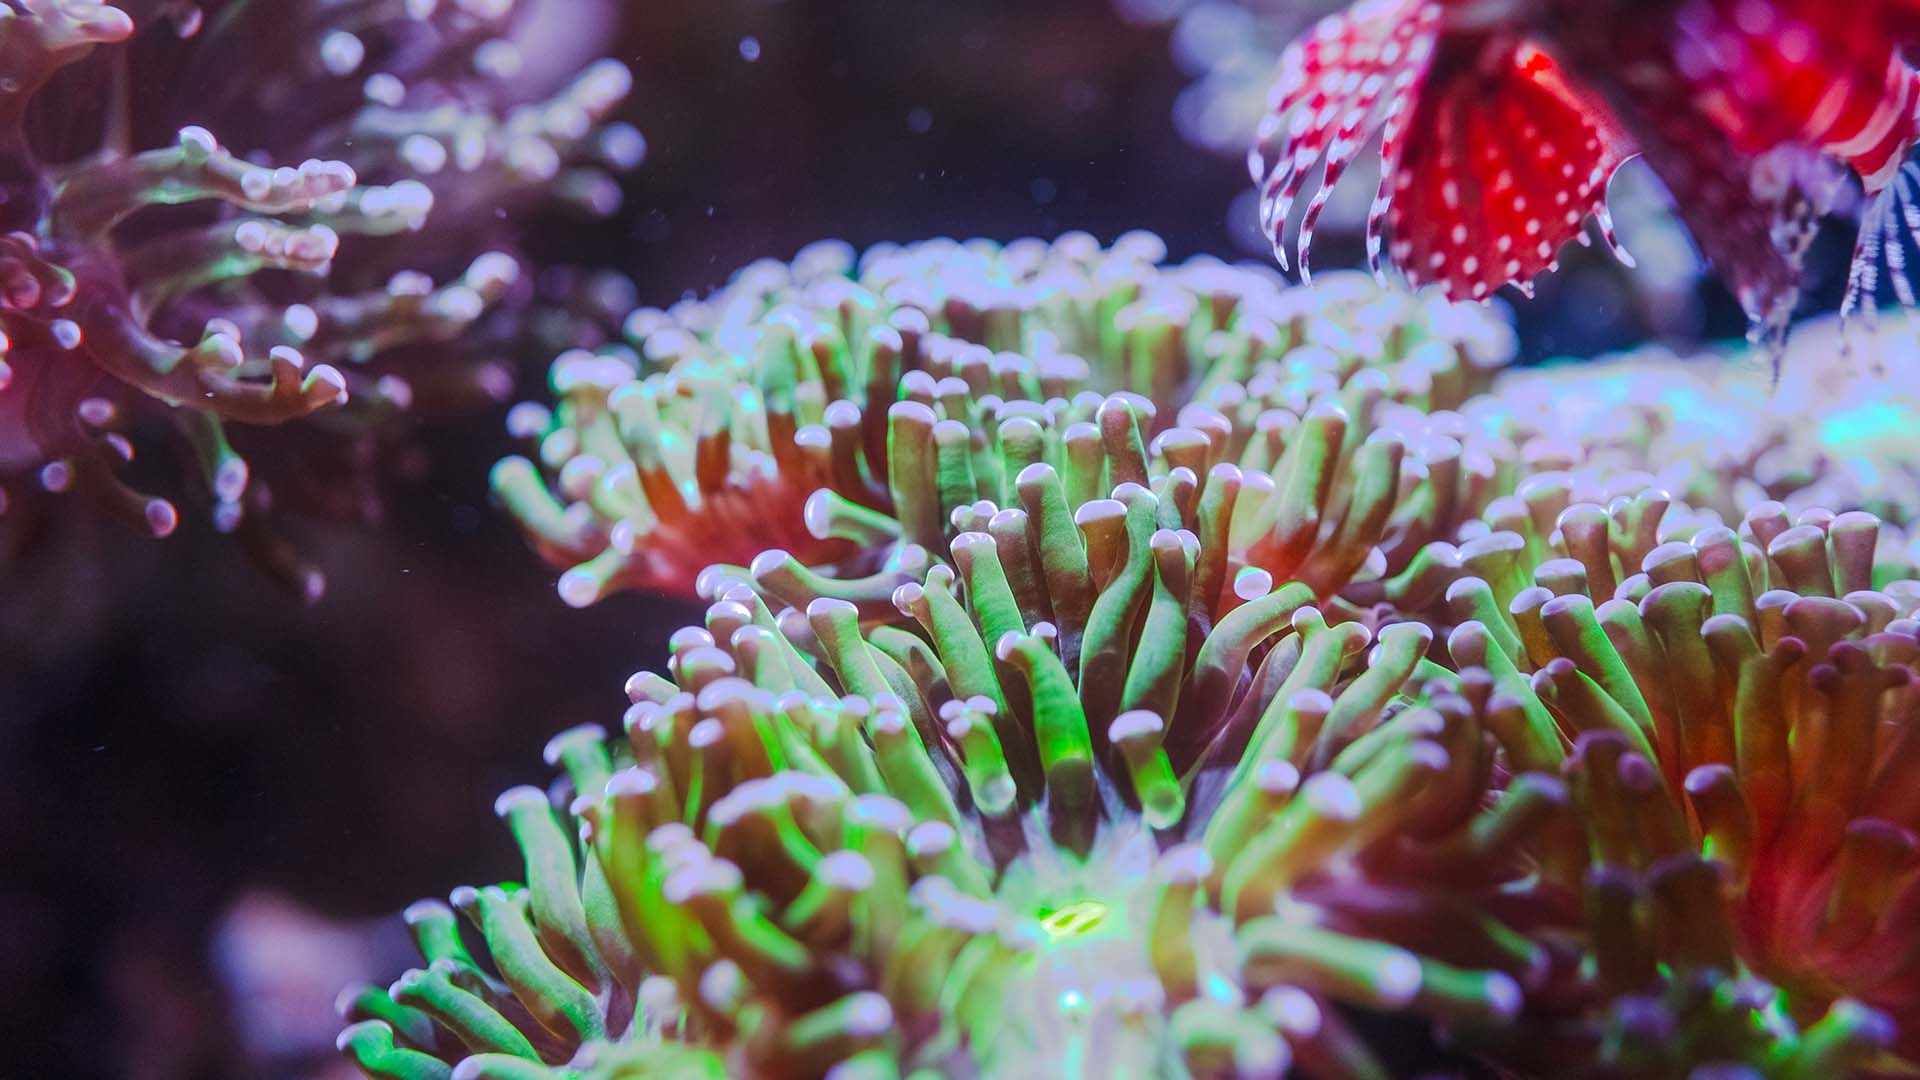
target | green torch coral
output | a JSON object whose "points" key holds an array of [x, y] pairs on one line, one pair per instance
{"points": [[926, 831], [1735, 716], [1114, 669], [836, 408]]}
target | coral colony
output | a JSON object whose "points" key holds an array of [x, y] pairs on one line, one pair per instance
{"points": [[1165, 672], [264, 263], [860, 413]]}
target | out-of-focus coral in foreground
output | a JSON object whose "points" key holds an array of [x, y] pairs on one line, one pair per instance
{"points": [[231, 215]]}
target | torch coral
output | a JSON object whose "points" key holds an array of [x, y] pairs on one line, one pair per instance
{"points": [[1064, 738], [928, 832], [834, 409], [1652, 448], [261, 284], [1735, 716], [764, 417]]}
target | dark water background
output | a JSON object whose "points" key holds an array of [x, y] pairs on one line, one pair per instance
{"points": [[178, 738]]}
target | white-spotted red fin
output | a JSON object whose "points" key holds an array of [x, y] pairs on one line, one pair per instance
{"points": [[1889, 237], [1603, 220], [1351, 75], [1502, 165]]}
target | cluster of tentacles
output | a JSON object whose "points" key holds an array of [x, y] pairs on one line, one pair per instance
{"points": [[232, 214], [1169, 674], [839, 409], [850, 413], [939, 831], [1627, 831]]}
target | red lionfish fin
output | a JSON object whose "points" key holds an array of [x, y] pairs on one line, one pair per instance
{"points": [[1745, 109], [1899, 20], [1353, 74], [1503, 164], [1889, 231], [1752, 217], [1890, 220]]}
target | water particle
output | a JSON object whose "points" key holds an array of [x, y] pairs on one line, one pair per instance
{"points": [[920, 120], [1043, 190], [750, 49]]}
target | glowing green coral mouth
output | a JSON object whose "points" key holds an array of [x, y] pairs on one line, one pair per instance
{"points": [[1074, 920]]}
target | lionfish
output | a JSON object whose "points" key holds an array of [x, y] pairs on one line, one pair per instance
{"points": [[1501, 122]]}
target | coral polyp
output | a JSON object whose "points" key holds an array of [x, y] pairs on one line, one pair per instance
{"points": [[922, 832], [843, 406], [1734, 716], [270, 260]]}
